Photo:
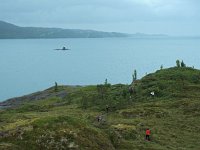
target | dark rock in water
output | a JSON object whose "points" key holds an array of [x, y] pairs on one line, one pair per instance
{"points": [[49, 93]]}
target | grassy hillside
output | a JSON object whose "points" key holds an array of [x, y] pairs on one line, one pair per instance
{"points": [[70, 122]]}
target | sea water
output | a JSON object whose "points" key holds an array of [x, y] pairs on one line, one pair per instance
{"points": [[30, 65]]}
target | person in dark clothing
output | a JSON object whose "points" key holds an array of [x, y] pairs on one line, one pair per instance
{"points": [[148, 132], [107, 108], [99, 118]]}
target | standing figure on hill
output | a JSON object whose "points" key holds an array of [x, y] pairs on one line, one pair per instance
{"points": [[148, 132]]}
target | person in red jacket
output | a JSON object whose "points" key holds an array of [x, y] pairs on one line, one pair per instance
{"points": [[148, 132]]}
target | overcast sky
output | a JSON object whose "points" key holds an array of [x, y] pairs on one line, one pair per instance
{"points": [[174, 17]]}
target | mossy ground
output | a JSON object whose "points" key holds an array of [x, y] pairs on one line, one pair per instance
{"points": [[173, 115]]}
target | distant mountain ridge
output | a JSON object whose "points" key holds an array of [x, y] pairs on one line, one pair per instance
{"points": [[11, 31]]}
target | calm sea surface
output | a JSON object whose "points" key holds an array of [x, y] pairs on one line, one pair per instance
{"points": [[31, 65]]}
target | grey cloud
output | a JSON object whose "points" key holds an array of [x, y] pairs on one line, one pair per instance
{"points": [[98, 12]]}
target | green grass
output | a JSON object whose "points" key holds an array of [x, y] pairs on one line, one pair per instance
{"points": [[173, 116]]}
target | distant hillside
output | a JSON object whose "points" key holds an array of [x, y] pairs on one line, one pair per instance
{"points": [[143, 35], [10, 31]]}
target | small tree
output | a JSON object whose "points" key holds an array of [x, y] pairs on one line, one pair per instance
{"points": [[161, 67], [106, 82], [56, 87], [134, 75], [183, 64], [178, 63]]}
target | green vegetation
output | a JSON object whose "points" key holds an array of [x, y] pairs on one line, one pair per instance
{"points": [[161, 67], [56, 87], [178, 63], [172, 114], [183, 64], [134, 75]]}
